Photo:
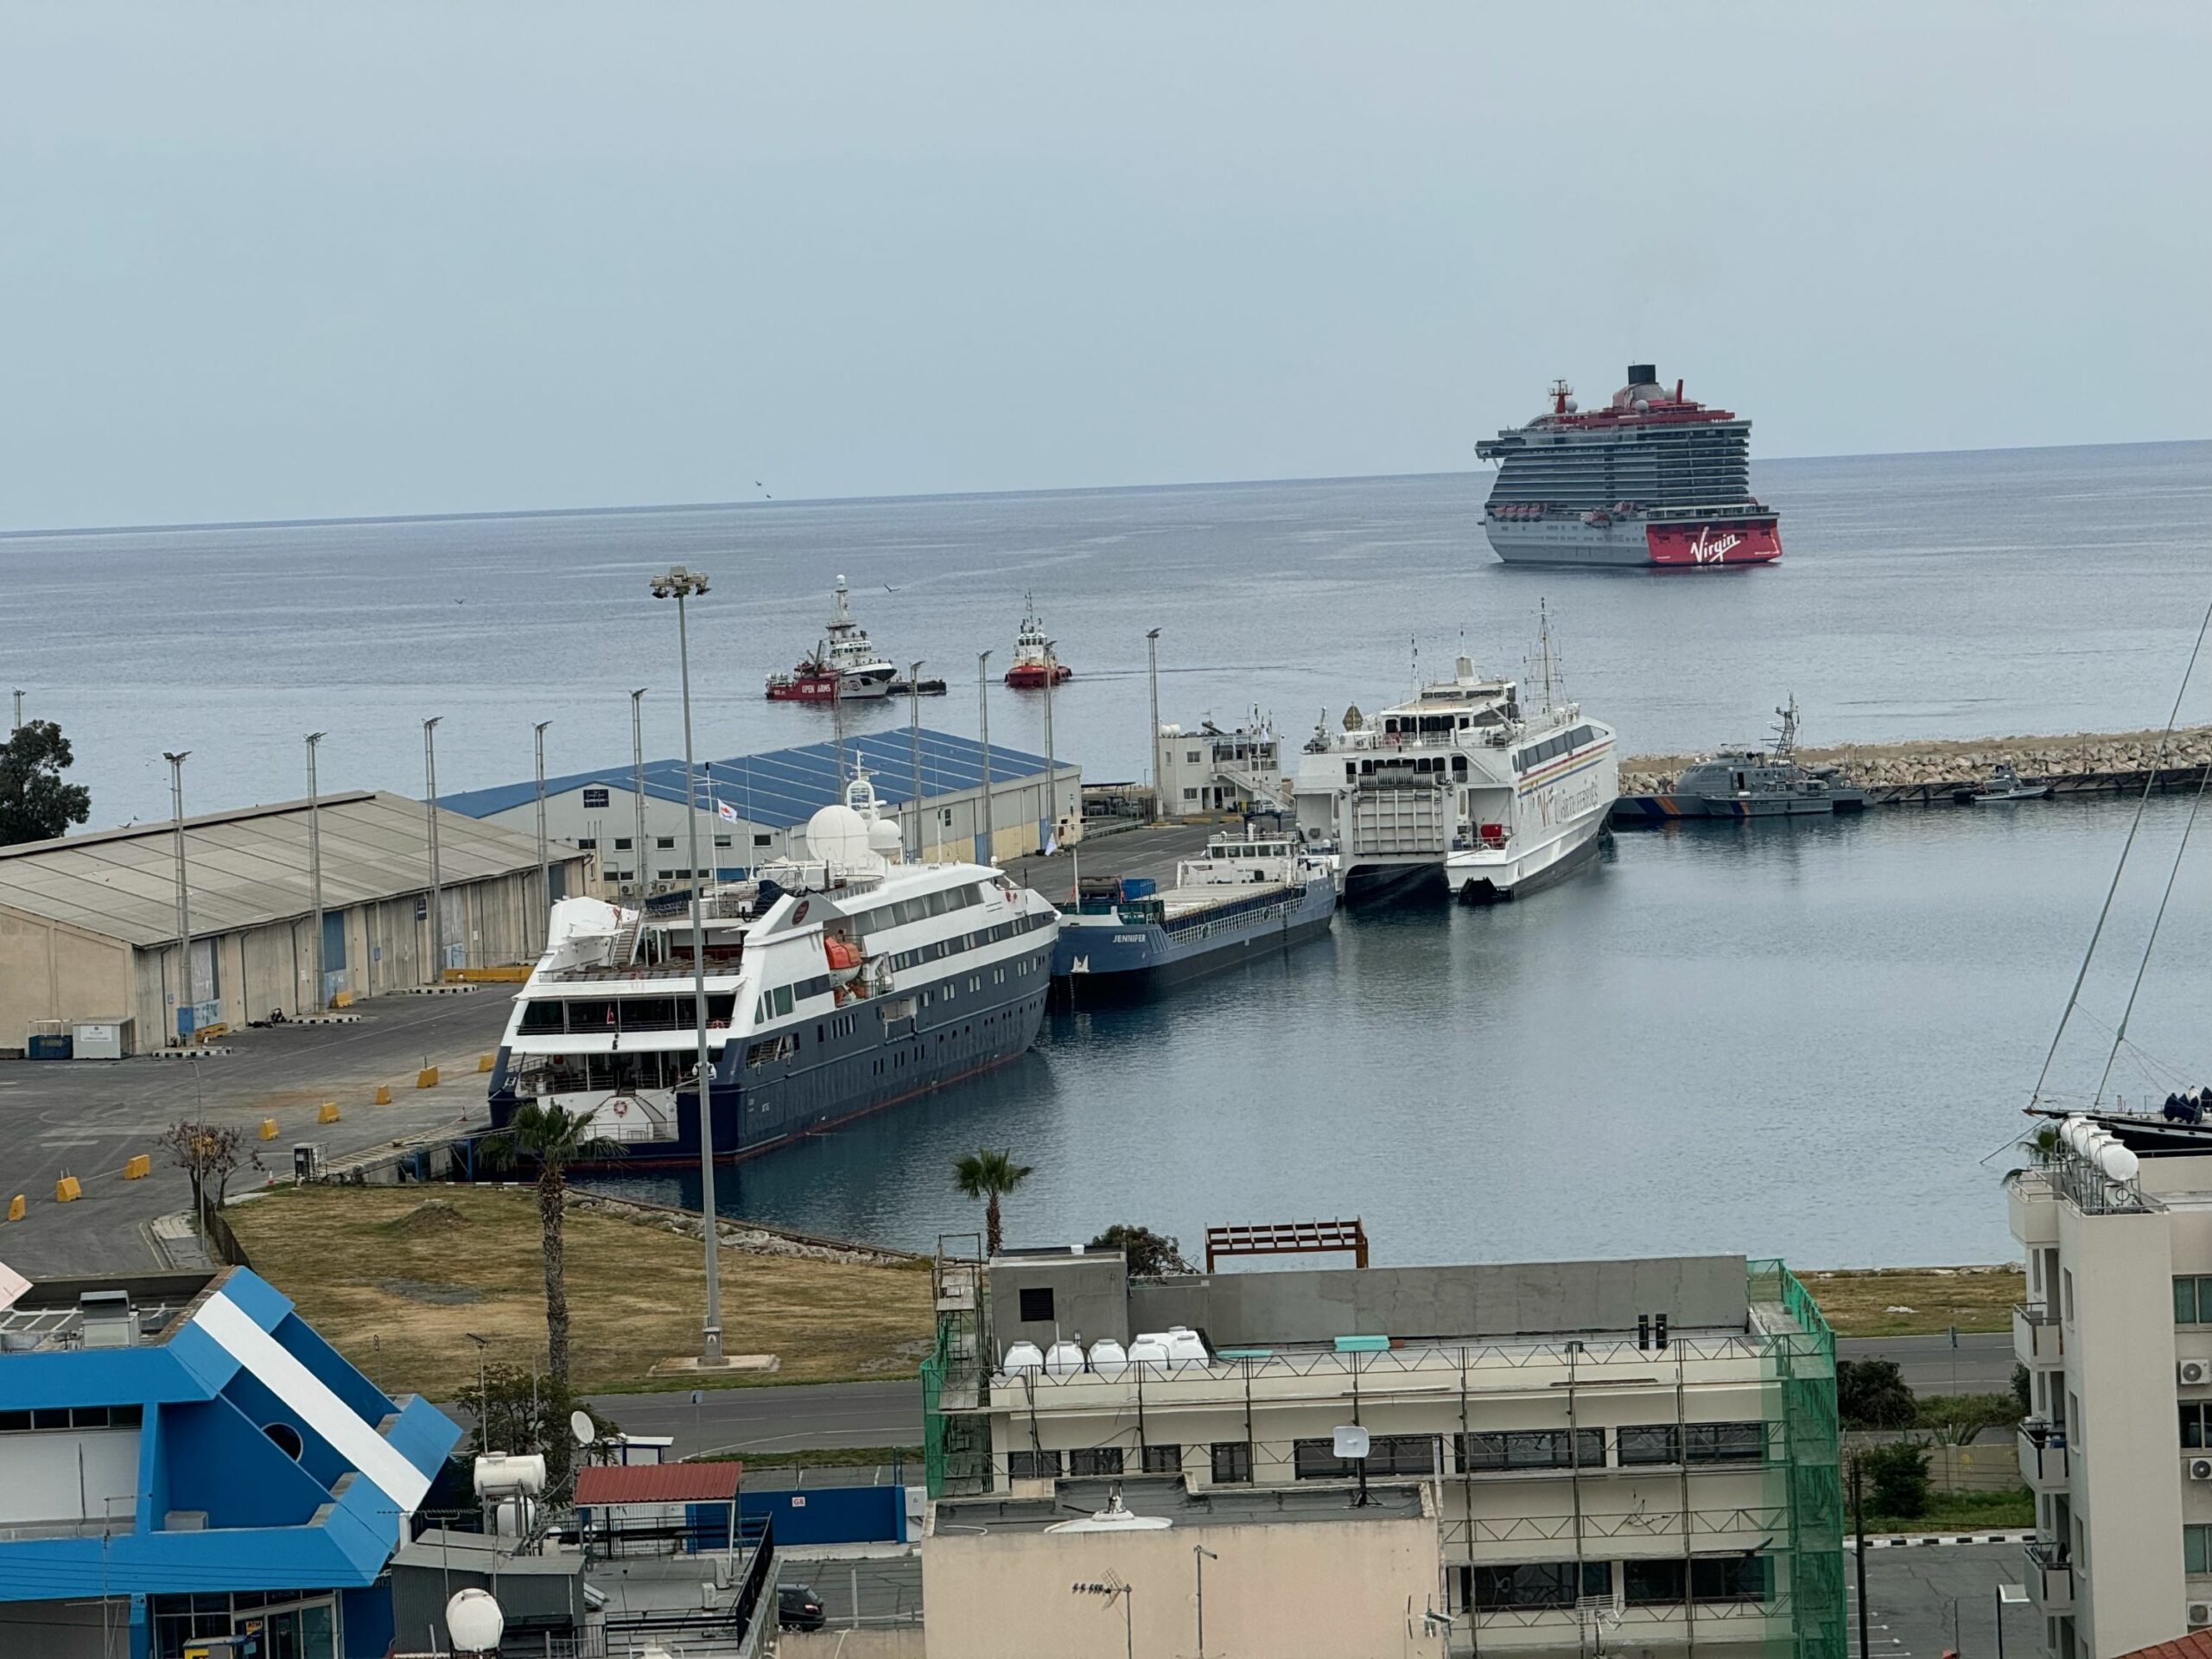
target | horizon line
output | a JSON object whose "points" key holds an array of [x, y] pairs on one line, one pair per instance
{"points": [[609, 510]]}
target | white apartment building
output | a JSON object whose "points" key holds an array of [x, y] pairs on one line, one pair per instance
{"points": [[2117, 1337], [1618, 1456]]}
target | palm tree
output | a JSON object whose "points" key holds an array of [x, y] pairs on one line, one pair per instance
{"points": [[989, 1176], [553, 1137]]}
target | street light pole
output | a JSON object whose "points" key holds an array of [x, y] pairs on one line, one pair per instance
{"points": [[1199, 1557], [983, 701], [638, 786], [431, 818], [176, 760], [1052, 767], [914, 746], [544, 869], [680, 584], [315, 876], [1152, 671]]}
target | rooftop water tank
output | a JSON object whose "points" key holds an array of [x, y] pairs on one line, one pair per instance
{"points": [[1109, 1358], [1148, 1350], [1063, 1358], [2117, 1162], [510, 1474], [1023, 1357]]}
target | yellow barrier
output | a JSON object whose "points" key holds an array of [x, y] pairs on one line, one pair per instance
{"points": [[328, 1112], [15, 1208], [269, 1128], [384, 1094], [138, 1169], [511, 974], [343, 999], [427, 1077], [67, 1189], [483, 1062]]}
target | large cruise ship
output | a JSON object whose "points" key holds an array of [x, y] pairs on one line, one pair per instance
{"points": [[1460, 782], [1653, 479], [835, 986]]}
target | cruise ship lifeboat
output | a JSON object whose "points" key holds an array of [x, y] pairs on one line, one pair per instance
{"points": [[844, 958]]}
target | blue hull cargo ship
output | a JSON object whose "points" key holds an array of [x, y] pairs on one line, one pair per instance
{"points": [[1248, 895], [838, 985]]}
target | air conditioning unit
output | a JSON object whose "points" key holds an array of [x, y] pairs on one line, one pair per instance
{"points": [[2200, 1468], [2200, 1614], [2194, 1373]]}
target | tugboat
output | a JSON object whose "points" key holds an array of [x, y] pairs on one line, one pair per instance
{"points": [[1035, 665], [1749, 783], [843, 668]]}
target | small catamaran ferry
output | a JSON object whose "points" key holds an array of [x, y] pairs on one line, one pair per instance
{"points": [[837, 985]]}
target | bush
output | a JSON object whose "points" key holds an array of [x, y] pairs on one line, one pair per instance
{"points": [[1872, 1394], [1897, 1479], [1957, 1418], [1150, 1254], [2020, 1387]]}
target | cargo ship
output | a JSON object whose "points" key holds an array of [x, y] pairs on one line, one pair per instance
{"points": [[1249, 893], [1654, 481]]}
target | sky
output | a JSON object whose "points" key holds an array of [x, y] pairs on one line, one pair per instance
{"points": [[304, 261]]}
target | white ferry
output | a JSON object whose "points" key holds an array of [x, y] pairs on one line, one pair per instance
{"points": [[836, 986], [1463, 782]]}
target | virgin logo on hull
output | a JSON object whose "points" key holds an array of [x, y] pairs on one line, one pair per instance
{"points": [[1681, 544]]}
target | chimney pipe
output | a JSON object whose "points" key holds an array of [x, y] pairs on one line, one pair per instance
{"points": [[1678, 388]]}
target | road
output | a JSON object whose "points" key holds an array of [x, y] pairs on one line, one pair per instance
{"points": [[1150, 851], [761, 1420], [87, 1118]]}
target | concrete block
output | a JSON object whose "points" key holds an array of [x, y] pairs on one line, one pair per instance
{"points": [[484, 1062], [67, 1190], [138, 1169], [427, 1077], [328, 1112], [384, 1094], [16, 1207], [269, 1128]]}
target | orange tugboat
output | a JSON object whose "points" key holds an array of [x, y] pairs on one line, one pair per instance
{"points": [[1035, 665]]}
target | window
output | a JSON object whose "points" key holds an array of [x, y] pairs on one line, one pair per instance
{"points": [[764, 841], [1655, 1443], [1534, 1584], [587, 843], [1652, 1584], [664, 843], [1097, 1460], [621, 843], [2066, 1293], [1232, 1462], [1163, 1459], [1032, 1465], [1036, 1304], [2193, 1301], [1386, 1454], [1727, 1443], [721, 841], [2196, 1425], [1538, 1448], [1193, 757], [1728, 1578], [2196, 1549]]}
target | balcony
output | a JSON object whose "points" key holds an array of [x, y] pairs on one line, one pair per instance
{"points": [[2051, 1578], [2045, 1461], [2038, 1339]]}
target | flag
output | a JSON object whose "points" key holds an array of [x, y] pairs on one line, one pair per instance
{"points": [[725, 809]]}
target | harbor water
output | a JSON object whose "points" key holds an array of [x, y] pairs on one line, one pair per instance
{"points": [[1802, 1039]]}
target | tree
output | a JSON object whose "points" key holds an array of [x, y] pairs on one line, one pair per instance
{"points": [[209, 1153], [35, 804], [1149, 1253], [553, 1138], [1957, 1418], [1897, 1479], [1872, 1394], [2020, 1387], [517, 1411], [989, 1176]]}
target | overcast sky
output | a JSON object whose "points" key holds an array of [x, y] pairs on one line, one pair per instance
{"points": [[304, 261]]}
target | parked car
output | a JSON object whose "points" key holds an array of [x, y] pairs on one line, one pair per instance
{"points": [[797, 1608]]}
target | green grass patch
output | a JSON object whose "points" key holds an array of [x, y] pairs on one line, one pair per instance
{"points": [[2012, 1511]]}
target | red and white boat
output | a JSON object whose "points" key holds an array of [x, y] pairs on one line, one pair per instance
{"points": [[1035, 665], [843, 668], [1654, 480]]}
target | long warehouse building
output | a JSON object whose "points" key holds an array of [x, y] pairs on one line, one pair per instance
{"points": [[753, 808], [88, 923]]}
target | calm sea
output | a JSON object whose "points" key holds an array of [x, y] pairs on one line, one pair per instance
{"points": [[1800, 1042]]}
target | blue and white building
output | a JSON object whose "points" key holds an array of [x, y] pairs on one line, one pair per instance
{"points": [[753, 808], [186, 1465]]}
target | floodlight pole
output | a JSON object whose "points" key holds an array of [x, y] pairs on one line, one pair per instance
{"points": [[315, 876], [544, 871], [430, 813], [176, 760], [638, 786], [1151, 672], [1052, 769], [914, 745], [680, 584], [983, 702]]}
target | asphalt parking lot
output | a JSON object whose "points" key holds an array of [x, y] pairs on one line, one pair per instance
{"points": [[87, 1117], [1925, 1599]]}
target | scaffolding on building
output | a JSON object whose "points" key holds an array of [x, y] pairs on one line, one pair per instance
{"points": [[956, 1437]]}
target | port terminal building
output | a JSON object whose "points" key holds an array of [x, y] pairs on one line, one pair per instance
{"points": [[752, 810], [1544, 1459], [187, 1467], [89, 924]]}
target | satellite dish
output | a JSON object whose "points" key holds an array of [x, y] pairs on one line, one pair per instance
{"points": [[1350, 1440], [474, 1621], [581, 1426]]}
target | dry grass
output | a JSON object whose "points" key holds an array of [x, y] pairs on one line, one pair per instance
{"points": [[396, 1278], [1860, 1302]]}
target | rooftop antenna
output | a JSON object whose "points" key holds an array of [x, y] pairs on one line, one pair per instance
{"points": [[1544, 649]]}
